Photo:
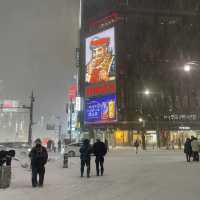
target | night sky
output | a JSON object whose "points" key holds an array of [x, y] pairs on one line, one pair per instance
{"points": [[37, 44]]}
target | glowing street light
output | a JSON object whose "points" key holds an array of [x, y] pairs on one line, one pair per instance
{"points": [[140, 120], [187, 68], [147, 92]]}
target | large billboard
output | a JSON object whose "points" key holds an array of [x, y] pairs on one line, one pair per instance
{"points": [[100, 57], [100, 78]]}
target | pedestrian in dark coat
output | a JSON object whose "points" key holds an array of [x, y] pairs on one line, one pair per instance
{"points": [[39, 157], [136, 144], [188, 149], [99, 150], [85, 156]]}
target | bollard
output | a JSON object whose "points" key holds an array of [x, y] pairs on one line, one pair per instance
{"points": [[5, 176], [65, 160]]}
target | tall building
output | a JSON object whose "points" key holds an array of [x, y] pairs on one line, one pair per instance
{"points": [[140, 67]]}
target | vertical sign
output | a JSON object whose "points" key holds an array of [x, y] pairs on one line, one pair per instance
{"points": [[100, 78]]}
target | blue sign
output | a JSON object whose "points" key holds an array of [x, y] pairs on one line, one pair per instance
{"points": [[100, 110]]}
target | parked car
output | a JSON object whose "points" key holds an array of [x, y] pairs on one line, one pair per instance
{"points": [[73, 149]]}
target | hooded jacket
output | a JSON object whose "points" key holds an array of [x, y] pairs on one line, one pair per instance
{"points": [[99, 149], [38, 156], [85, 150]]}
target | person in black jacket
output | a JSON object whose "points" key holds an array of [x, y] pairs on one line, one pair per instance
{"points": [[99, 150], [85, 156], [188, 149], [39, 157], [6, 157]]}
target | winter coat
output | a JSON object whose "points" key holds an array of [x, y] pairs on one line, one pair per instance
{"points": [[85, 152], [38, 156], [187, 147], [99, 149], [195, 145], [136, 143]]}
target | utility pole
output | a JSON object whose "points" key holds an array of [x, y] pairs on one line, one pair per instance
{"points": [[59, 131], [31, 120], [70, 122]]}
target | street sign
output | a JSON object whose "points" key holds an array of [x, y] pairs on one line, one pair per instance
{"points": [[72, 92], [78, 104]]}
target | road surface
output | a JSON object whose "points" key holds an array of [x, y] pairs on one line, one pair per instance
{"points": [[151, 175]]}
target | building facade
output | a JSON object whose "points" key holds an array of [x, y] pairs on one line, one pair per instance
{"points": [[140, 60]]}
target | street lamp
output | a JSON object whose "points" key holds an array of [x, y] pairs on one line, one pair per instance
{"points": [[140, 120], [187, 68], [146, 92]]}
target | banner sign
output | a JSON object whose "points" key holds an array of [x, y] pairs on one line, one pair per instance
{"points": [[100, 110], [101, 89], [72, 91]]}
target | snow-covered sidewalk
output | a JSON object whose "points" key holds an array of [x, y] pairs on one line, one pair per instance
{"points": [[152, 175]]}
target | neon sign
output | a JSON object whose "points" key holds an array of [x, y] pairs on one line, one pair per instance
{"points": [[100, 110], [102, 89]]}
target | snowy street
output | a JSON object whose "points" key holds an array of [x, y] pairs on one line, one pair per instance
{"points": [[152, 175]]}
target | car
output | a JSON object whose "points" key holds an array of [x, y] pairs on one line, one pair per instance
{"points": [[73, 149]]}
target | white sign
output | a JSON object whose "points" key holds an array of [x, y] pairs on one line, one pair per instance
{"points": [[78, 104], [184, 128]]}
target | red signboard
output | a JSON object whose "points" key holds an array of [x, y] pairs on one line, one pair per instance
{"points": [[110, 19], [72, 92], [101, 89]]}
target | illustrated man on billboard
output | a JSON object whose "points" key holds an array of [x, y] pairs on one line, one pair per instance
{"points": [[101, 65]]}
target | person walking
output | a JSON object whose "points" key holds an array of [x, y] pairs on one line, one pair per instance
{"points": [[136, 144], [195, 149], [173, 144], [39, 157], [85, 156], [99, 150], [188, 149]]}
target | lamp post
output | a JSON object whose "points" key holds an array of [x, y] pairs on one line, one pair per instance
{"points": [[147, 93], [187, 69], [142, 121]]}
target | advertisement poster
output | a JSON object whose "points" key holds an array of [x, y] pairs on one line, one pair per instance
{"points": [[100, 110], [100, 57]]}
